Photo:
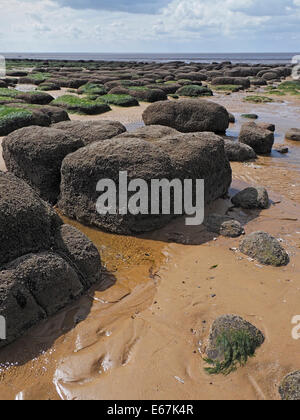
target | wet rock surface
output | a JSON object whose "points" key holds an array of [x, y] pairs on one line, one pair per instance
{"points": [[260, 139], [45, 265], [224, 225]]}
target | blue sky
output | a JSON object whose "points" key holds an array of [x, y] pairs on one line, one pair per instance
{"points": [[150, 25]]}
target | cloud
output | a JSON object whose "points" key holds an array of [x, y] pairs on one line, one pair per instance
{"points": [[129, 6], [160, 26]]}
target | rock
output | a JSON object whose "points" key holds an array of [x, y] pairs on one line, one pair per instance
{"points": [[45, 115], [238, 81], [289, 389], [188, 116], [267, 126], [293, 134], [50, 279], [194, 91], [150, 133], [149, 95], [260, 139], [91, 131], [18, 307], [224, 225], [231, 118], [271, 75], [264, 248], [76, 248], [19, 207], [238, 152], [12, 118], [250, 116], [35, 154], [38, 98], [282, 149], [194, 156], [252, 198], [232, 341], [44, 264]]}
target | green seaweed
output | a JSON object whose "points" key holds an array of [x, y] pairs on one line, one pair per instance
{"points": [[81, 105], [119, 100], [237, 346], [258, 99]]}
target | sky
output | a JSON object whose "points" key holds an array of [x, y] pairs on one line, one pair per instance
{"points": [[175, 26]]}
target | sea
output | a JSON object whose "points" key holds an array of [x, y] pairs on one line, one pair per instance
{"points": [[249, 58]]}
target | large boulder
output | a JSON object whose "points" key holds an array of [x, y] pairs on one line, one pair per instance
{"points": [[188, 116], [260, 139], [265, 249], [232, 341], [194, 156], [44, 264], [289, 389], [35, 154], [91, 131]]}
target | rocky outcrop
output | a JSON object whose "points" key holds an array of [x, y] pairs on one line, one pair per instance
{"points": [[188, 116], [194, 156], [44, 264], [35, 154], [260, 139], [91, 131]]}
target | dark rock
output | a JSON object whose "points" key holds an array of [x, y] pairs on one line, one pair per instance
{"points": [[231, 118], [228, 325], [50, 279], [188, 116], [224, 225], [264, 248], [35, 154], [91, 131], [282, 149], [44, 264], [289, 389], [260, 139], [78, 250], [197, 156], [27, 224], [238, 152], [238, 81], [267, 126], [293, 134], [252, 198], [150, 133]]}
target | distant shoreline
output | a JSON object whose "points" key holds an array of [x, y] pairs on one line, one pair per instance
{"points": [[235, 58]]}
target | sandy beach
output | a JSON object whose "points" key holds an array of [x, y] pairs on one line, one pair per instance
{"points": [[145, 336]]}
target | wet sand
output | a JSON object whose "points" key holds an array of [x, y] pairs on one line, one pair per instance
{"points": [[144, 337]]}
